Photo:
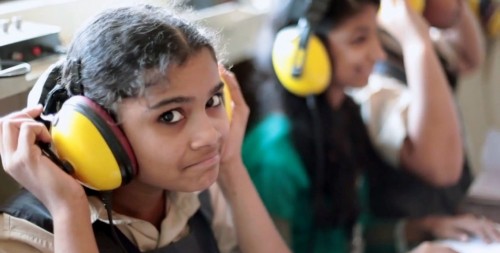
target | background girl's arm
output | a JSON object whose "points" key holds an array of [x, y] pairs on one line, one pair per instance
{"points": [[466, 39], [433, 148]]}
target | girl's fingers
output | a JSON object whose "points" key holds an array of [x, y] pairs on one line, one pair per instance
{"points": [[9, 131], [480, 227], [240, 109], [26, 153], [29, 133], [231, 82], [232, 146], [28, 112], [489, 230]]}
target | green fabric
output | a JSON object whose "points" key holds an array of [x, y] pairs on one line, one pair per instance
{"points": [[283, 184]]}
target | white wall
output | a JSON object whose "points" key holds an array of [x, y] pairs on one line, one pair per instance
{"points": [[479, 102], [226, 18], [68, 14]]}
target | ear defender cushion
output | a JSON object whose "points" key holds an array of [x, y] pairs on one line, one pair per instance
{"points": [[85, 136], [316, 75]]}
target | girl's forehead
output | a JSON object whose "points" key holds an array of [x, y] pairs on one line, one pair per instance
{"points": [[199, 68], [366, 16], [196, 76]]}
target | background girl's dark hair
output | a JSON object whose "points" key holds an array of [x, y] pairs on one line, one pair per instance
{"points": [[335, 197], [122, 51]]}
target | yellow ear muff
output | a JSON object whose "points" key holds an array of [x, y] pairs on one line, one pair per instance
{"points": [[316, 72], [491, 22], [417, 5], [84, 136]]}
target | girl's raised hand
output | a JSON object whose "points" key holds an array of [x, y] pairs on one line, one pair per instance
{"points": [[23, 160], [398, 18], [232, 147]]}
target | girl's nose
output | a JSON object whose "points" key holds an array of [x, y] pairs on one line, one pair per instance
{"points": [[378, 53], [205, 133]]}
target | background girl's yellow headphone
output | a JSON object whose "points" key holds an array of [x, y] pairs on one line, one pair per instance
{"points": [[299, 58]]}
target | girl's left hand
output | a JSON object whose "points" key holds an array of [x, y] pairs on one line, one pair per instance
{"points": [[231, 151], [463, 227]]}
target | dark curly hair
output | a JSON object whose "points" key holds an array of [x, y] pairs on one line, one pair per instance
{"points": [[122, 51]]}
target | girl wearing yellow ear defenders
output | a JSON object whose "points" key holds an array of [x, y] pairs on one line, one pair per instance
{"points": [[157, 77], [311, 183]]}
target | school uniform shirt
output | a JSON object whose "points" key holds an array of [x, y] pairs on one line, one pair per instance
{"points": [[384, 104], [20, 236]]}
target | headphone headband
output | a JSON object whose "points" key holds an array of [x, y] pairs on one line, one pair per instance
{"points": [[300, 60]]}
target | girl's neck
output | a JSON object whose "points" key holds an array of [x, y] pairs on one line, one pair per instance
{"points": [[336, 96], [140, 202]]}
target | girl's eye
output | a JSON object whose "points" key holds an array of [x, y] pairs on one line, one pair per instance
{"points": [[359, 40], [171, 117], [215, 100]]}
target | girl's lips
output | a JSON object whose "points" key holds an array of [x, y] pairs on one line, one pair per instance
{"points": [[205, 162]]}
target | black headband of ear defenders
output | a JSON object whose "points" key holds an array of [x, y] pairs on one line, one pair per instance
{"points": [[49, 90], [45, 83], [312, 10]]}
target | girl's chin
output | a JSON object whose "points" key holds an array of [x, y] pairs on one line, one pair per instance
{"points": [[359, 83], [204, 182]]}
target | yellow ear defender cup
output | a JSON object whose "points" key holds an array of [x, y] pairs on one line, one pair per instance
{"points": [[228, 102], [316, 72], [87, 138], [488, 12], [493, 25], [417, 5]]}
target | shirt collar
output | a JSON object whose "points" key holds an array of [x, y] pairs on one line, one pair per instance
{"points": [[181, 207]]}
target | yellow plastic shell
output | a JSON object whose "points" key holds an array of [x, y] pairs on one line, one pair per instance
{"points": [[79, 142], [316, 74], [417, 5], [228, 102]]}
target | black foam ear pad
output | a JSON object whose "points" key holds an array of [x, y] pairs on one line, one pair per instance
{"points": [[86, 136]]}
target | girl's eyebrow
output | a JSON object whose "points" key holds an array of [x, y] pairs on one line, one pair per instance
{"points": [[183, 100]]}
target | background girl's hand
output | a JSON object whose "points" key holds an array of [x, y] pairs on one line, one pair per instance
{"points": [[427, 247], [402, 22], [232, 147], [463, 227], [23, 160]]}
